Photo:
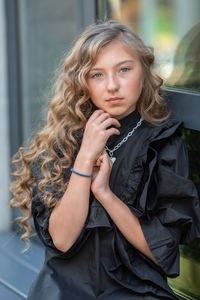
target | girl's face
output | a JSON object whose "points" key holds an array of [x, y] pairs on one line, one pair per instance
{"points": [[115, 80]]}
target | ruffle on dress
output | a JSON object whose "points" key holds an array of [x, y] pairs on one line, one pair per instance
{"points": [[159, 193], [135, 272]]}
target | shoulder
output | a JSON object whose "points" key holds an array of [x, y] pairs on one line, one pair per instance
{"points": [[170, 148], [165, 130], [166, 142]]}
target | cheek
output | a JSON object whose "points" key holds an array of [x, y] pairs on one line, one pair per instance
{"points": [[135, 82], [135, 86], [91, 89], [93, 93], [95, 89]]}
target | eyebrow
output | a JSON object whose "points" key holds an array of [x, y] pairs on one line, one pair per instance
{"points": [[118, 64]]}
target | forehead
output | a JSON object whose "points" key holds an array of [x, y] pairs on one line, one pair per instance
{"points": [[116, 50]]}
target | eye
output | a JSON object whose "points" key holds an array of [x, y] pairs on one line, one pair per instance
{"points": [[124, 69], [96, 75]]}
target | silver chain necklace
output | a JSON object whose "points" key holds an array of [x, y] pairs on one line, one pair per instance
{"points": [[122, 141]]}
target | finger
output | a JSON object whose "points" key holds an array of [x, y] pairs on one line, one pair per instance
{"points": [[106, 154], [108, 158], [96, 114], [98, 163], [112, 131], [95, 164], [109, 122], [99, 160], [103, 152], [95, 172], [101, 118], [109, 161]]}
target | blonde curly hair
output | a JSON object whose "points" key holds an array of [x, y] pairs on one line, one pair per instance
{"points": [[54, 147]]}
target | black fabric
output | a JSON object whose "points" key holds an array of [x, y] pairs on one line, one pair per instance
{"points": [[150, 176]]}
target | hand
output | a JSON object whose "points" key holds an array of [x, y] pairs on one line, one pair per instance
{"points": [[96, 134], [101, 175]]}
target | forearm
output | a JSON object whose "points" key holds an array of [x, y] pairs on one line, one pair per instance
{"points": [[68, 217], [126, 221]]}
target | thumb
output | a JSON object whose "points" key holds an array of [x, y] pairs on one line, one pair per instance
{"points": [[99, 160]]}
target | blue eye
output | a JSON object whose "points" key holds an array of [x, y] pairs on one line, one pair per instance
{"points": [[125, 69], [97, 75]]}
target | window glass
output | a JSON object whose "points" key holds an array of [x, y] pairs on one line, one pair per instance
{"points": [[172, 27], [46, 30]]}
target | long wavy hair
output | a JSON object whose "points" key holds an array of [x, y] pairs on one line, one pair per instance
{"points": [[54, 147]]}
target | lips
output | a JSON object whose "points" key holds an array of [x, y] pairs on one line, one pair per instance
{"points": [[115, 100]]}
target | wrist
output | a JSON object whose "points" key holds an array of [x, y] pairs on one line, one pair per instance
{"points": [[85, 157], [83, 165], [104, 196]]}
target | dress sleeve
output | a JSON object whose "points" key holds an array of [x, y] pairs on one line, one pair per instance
{"points": [[41, 215], [39, 210], [175, 216]]}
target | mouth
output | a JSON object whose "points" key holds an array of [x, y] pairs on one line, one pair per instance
{"points": [[115, 100]]}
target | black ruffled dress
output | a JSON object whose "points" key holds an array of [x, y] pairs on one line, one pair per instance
{"points": [[150, 177]]}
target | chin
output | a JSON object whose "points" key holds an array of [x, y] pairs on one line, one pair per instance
{"points": [[119, 114]]}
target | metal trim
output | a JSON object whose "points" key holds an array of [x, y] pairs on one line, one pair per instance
{"points": [[13, 64], [185, 106]]}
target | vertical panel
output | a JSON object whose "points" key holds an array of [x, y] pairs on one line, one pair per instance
{"points": [[4, 132], [86, 13], [13, 70], [47, 29]]}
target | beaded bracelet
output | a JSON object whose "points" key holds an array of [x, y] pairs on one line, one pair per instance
{"points": [[72, 170]]}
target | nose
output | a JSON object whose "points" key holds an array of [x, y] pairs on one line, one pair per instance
{"points": [[112, 83]]}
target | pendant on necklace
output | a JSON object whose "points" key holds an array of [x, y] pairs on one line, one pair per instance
{"points": [[113, 159]]}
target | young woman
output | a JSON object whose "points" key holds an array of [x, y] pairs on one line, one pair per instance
{"points": [[106, 179]]}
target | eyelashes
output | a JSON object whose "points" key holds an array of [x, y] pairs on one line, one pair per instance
{"points": [[122, 70], [96, 75]]}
